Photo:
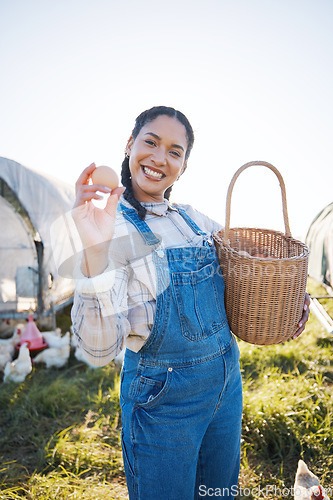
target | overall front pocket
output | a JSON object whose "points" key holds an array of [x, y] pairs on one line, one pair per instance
{"points": [[199, 297], [147, 391]]}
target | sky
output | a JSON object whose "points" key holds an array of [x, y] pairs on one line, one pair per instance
{"points": [[254, 77]]}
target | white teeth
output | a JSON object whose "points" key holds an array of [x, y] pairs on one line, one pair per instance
{"points": [[152, 173]]}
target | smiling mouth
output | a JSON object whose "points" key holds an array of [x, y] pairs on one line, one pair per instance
{"points": [[153, 173]]}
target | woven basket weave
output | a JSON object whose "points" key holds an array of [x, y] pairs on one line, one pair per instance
{"points": [[265, 274]]}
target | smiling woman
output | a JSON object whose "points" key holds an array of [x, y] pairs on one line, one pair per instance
{"points": [[150, 281]]}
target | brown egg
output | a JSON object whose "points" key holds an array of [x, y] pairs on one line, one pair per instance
{"points": [[105, 176]]}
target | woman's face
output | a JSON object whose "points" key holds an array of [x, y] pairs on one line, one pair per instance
{"points": [[157, 157]]}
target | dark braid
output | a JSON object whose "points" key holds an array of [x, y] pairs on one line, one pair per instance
{"points": [[144, 118], [168, 192], [126, 181]]}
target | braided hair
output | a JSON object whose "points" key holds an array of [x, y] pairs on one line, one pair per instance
{"points": [[144, 118]]}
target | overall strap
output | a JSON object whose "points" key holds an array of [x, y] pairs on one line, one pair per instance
{"points": [[190, 222], [131, 215]]}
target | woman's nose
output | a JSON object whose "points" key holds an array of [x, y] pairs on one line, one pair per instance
{"points": [[159, 156]]}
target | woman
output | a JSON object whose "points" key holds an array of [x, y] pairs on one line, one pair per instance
{"points": [[150, 281]]}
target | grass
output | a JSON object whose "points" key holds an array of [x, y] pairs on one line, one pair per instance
{"points": [[59, 433], [60, 429], [288, 408]]}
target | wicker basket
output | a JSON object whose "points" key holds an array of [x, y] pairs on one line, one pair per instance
{"points": [[265, 274]]}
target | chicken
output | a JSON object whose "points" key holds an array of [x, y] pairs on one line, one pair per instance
{"points": [[318, 493], [10, 344], [119, 359], [7, 326], [74, 341], [307, 486], [54, 357], [54, 339], [79, 354], [17, 370], [5, 357], [56, 332]]}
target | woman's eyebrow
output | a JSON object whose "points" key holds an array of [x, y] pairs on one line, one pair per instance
{"points": [[158, 138]]}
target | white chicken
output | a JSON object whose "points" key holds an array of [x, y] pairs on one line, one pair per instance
{"points": [[74, 340], [54, 338], [56, 332], [307, 486], [5, 357], [54, 357], [119, 359], [79, 354], [17, 370], [7, 326], [9, 344]]}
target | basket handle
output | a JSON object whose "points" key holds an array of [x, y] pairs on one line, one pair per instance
{"points": [[283, 192]]}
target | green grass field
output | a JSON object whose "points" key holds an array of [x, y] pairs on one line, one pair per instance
{"points": [[60, 429]]}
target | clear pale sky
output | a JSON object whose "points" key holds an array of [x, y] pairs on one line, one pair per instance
{"points": [[254, 78]]}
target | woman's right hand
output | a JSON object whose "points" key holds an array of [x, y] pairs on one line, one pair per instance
{"points": [[95, 225]]}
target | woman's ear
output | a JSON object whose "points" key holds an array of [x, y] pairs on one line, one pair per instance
{"points": [[129, 146]]}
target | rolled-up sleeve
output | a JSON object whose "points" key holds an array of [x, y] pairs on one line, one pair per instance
{"points": [[100, 314]]}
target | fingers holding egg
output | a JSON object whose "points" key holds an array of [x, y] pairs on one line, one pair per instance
{"points": [[105, 176], [106, 181]]}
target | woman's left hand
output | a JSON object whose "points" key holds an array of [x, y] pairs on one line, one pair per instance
{"points": [[304, 318]]}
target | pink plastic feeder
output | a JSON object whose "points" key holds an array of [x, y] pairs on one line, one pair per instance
{"points": [[32, 336]]}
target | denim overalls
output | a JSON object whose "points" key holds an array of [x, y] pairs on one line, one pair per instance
{"points": [[181, 394]]}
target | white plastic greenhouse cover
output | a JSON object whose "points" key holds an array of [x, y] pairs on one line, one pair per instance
{"points": [[46, 200], [320, 241]]}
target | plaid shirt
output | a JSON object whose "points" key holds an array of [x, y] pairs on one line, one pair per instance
{"points": [[117, 308]]}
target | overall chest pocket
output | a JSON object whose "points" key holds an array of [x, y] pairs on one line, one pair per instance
{"points": [[199, 297]]}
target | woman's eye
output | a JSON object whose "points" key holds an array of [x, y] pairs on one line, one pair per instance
{"points": [[150, 142], [175, 153]]}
